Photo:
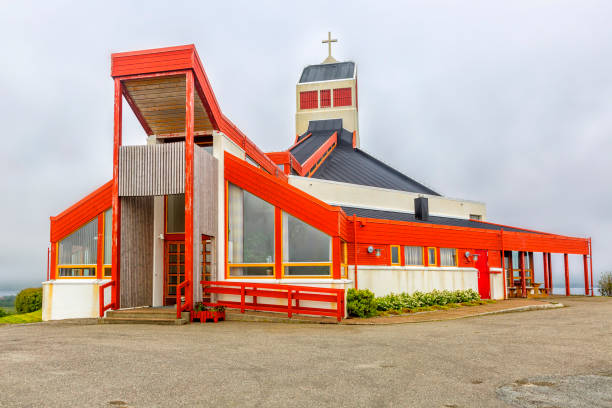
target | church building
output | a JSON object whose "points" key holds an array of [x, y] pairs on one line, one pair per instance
{"points": [[199, 213]]}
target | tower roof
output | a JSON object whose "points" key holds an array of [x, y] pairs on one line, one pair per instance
{"points": [[328, 72]]}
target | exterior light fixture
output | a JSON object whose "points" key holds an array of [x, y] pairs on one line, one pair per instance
{"points": [[475, 256], [467, 254], [378, 253], [370, 249]]}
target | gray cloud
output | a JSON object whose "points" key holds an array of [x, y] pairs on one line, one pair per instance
{"points": [[504, 103]]}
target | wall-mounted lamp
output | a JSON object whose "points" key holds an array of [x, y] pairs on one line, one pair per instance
{"points": [[468, 254], [371, 249]]}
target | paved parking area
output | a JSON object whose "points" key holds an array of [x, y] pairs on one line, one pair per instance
{"points": [[457, 363]]}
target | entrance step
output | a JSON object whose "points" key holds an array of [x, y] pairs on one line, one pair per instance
{"points": [[145, 315]]}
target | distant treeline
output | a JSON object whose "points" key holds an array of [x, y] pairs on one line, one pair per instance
{"points": [[7, 301]]}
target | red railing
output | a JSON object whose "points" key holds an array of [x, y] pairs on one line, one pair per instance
{"points": [[104, 307], [293, 295], [179, 306]]}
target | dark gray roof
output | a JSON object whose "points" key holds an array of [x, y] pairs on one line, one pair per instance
{"points": [[409, 217], [348, 165], [328, 72], [321, 131]]}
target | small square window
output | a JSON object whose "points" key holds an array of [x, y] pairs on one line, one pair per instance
{"points": [[431, 256]]}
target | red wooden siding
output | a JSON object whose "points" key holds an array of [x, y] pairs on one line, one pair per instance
{"points": [[342, 97], [308, 100], [325, 98], [156, 60], [81, 212]]}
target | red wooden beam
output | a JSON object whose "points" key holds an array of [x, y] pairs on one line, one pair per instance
{"points": [[550, 277], [116, 267], [567, 278], [336, 254], [189, 168], [503, 266]]}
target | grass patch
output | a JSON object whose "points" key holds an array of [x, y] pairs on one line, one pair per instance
{"points": [[9, 310], [32, 317]]}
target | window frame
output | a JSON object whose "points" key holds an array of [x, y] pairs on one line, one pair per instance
{"points": [[229, 265], [399, 255], [284, 264], [59, 266], [343, 94], [455, 258], [423, 253], [435, 263]]}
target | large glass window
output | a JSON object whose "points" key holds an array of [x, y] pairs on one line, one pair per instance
{"points": [[78, 252], [250, 234], [448, 257], [175, 213], [306, 250], [413, 255], [108, 242]]}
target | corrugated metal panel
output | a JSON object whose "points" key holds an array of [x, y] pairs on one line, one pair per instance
{"points": [[152, 170], [204, 208], [136, 251]]}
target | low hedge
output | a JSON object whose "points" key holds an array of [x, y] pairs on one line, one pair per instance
{"points": [[404, 301], [28, 300], [605, 284], [362, 303]]}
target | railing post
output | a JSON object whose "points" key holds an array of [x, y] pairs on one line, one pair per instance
{"points": [[338, 306], [242, 297], [289, 303], [297, 301], [101, 298]]}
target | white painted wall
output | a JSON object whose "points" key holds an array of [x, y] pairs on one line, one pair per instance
{"points": [[497, 284], [353, 195], [72, 298], [383, 280]]}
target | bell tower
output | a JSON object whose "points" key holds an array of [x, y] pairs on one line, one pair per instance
{"points": [[328, 91]]}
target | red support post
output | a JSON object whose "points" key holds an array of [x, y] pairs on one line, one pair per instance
{"points": [[336, 255], [355, 248], [586, 274], [502, 263], [189, 169], [591, 266], [567, 279], [550, 277], [522, 268], [116, 204], [48, 270], [545, 266]]}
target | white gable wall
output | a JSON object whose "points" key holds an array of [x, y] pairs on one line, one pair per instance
{"points": [[354, 195]]}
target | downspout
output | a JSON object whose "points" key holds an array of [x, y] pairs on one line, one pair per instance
{"points": [[355, 248]]}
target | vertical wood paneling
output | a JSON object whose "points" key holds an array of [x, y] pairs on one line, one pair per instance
{"points": [[152, 169], [136, 251]]}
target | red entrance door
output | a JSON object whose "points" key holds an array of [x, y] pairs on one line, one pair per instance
{"points": [[484, 277]]}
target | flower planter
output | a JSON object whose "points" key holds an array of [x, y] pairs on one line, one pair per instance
{"points": [[203, 316]]}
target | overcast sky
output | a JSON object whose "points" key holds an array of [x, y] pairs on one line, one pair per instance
{"points": [[510, 104]]}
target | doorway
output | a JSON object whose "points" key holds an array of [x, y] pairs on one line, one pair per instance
{"points": [[484, 275], [174, 270]]}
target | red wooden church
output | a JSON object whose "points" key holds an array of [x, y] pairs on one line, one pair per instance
{"points": [[200, 213]]}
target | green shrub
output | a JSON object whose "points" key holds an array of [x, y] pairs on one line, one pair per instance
{"points": [[3, 312], [420, 300], [29, 300], [360, 303], [605, 284]]}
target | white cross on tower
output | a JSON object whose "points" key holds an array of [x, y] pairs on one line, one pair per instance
{"points": [[329, 42]]}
